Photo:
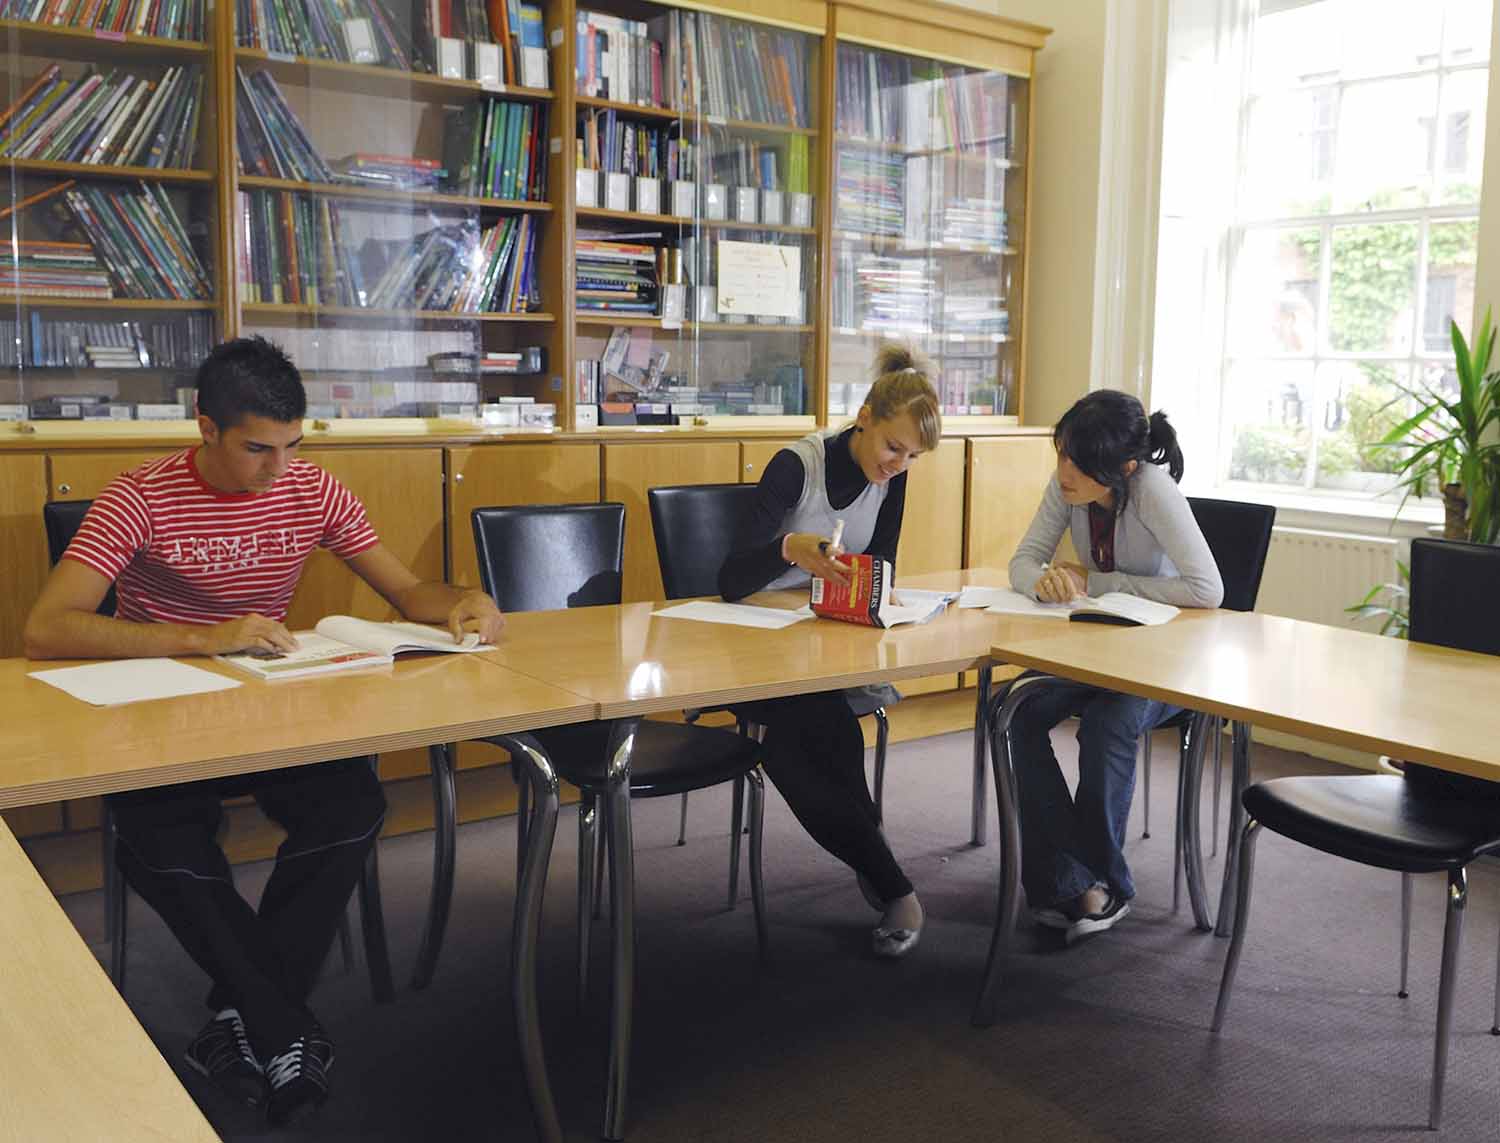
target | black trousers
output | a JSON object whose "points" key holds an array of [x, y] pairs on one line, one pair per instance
{"points": [[815, 753], [263, 962]]}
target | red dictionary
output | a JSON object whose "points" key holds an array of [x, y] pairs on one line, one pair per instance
{"points": [[861, 600]]}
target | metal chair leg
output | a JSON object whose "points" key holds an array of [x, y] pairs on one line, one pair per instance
{"points": [[1241, 920], [622, 894], [1218, 731], [1184, 738], [1146, 783], [601, 853], [115, 893], [523, 813], [736, 816], [588, 839], [682, 821], [441, 762], [372, 919], [757, 883], [346, 943], [882, 739], [1453, 927], [977, 822], [1239, 781], [1405, 931], [1495, 1026], [1191, 855]]}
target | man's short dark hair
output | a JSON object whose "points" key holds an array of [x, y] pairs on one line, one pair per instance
{"points": [[249, 376]]}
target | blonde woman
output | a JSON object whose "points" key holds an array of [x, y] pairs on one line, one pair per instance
{"points": [[814, 746]]}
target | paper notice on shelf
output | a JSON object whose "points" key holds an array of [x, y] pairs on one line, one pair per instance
{"points": [[758, 279], [736, 614], [133, 680]]}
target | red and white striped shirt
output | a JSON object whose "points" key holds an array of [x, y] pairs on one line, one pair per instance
{"points": [[181, 551]]}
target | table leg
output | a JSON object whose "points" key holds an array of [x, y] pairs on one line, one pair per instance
{"points": [[1019, 692], [1189, 814], [444, 849], [1239, 779], [622, 902], [541, 779], [981, 714]]}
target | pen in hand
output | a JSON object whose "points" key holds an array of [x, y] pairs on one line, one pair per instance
{"points": [[832, 544]]}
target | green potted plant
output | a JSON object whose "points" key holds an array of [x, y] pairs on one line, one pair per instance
{"points": [[1454, 442]]}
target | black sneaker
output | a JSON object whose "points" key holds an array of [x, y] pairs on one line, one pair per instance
{"points": [[298, 1077], [1115, 910], [222, 1053]]}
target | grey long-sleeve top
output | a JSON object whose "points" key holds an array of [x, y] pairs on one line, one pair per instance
{"points": [[1159, 552]]}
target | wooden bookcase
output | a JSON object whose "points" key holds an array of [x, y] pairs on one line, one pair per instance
{"points": [[916, 57]]}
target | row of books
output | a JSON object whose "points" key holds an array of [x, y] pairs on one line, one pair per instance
{"points": [[740, 162], [290, 251], [495, 148], [180, 341], [317, 29], [137, 234], [698, 63], [874, 292], [457, 269], [920, 105], [271, 139], [869, 191], [116, 118], [445, 26], [53, 269], [615, 276], [168, 19], [606, 142], [389, 172]]}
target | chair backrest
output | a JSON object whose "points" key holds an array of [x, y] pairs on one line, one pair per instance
{"points": [[697, 526], [61, 519], [1453, 595], [544, 557], [1239, 536]]}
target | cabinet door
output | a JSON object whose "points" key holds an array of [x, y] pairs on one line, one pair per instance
{"points": [[1006, 478], [83, 475], [932, 531], [23, 491], [631, 469], [510, 474], [402, 491], [755, 455]]}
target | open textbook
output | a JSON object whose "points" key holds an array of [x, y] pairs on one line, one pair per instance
{"points": [[1111, 607], [341, 642]]}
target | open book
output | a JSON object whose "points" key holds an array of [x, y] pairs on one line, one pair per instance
{"points": [[871, 598], [341, 642], [1112, 607]]}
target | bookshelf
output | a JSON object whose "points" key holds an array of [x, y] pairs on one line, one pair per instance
{"points": [[381, 280]]}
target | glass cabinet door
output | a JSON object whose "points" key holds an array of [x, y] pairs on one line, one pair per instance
{"points": [[927, 225]]}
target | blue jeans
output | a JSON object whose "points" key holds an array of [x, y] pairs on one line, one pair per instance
{"points": [[1070, 842]]}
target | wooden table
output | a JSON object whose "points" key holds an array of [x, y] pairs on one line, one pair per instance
{"points": [[632, 664], [54, 746], [1412, 701]]}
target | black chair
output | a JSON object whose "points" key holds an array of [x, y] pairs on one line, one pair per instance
{"points": [[696, 527], [1387, 821], [1239, 536], [61, 518], [582, 552]]}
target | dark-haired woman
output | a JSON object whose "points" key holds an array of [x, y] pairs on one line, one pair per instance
{"points": [[1116, 493], [814, 748]]}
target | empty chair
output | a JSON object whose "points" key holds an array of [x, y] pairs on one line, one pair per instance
{"points": [[61, 519], [1436, 825]]}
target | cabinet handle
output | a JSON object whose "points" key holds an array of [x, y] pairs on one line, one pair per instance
{"points": [[458, 478], [749, 468], [64, 489]]}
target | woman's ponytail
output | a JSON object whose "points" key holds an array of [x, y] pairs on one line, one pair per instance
{"points": [[1164, 447]]}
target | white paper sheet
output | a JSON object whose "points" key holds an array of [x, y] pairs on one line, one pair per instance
{"points": [[924, 597], [736, 614], [1004, 601], [133, 680], [982, 596]]}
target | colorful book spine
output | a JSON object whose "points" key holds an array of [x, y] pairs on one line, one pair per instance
{"points": [[163, 19]]}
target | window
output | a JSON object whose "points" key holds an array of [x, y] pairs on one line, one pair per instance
{"points": [[1346, 231]]}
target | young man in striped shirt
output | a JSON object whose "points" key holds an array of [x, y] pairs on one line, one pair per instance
{"points": [[205, 548]]}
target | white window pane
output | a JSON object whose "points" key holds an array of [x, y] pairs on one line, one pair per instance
{"points": [[1385, 142], [1373, 288], [1384, 37], [1275, 297], [1362, 402], [1452, 249], [1460, 157], [1270, 406], [1293, 42], [1467, 36], [1291, 155]]}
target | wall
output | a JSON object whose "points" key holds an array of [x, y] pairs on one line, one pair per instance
{"points": [[1064, 198]]}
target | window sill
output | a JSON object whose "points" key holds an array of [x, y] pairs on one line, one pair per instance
{"points": [[1352, 514]]}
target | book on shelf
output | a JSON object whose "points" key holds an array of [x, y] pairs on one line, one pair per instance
{"points": [[271, 139], [314, 29], [393, 172], [42, 341], [458, 269], [496, 148], [341, 643], [870, 598], [138, 236], [914, 104], [116, 118], [291, 251], [53, 269], [183, 20]]}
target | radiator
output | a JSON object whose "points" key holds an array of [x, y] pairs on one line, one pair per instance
{"points": [[1315, 575]]}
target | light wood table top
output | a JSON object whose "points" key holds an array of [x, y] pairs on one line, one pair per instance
{"points": [[53, 746], [631, 663], [1410, 700], [77, 1065]]}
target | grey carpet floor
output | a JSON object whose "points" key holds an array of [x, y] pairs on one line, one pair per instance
{"points": [[1105, 1041]]}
